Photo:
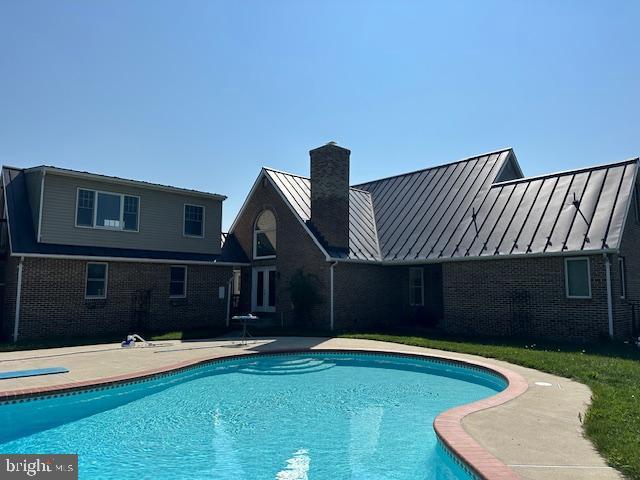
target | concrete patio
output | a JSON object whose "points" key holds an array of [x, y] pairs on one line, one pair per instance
{"points": [[538, 434]]}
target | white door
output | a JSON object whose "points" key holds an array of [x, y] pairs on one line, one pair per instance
{"points": [[263, 297]]}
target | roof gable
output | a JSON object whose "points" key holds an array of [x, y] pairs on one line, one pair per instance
{"points": [[363, 242]]}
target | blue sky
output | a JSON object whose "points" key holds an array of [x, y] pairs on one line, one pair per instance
{"points": [[200, 94]]}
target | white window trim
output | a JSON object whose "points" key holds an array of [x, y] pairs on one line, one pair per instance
{"points": [[566, 276], [184, 219], [86, 281], [255, 237], [623, 277], [421, 270], [184, 288], [95, 210]]}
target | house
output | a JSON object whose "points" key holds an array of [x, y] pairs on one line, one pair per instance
{"points": [[471, 246], [88, 254]]}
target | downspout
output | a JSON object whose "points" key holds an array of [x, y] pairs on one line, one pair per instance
{"points": [[229, 283], [607, 265], [16, 323], [331, 291]]}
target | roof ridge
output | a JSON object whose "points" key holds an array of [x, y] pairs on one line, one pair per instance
{"points": [[448, 164], [115, 178], [307, 178], [566, 172]]}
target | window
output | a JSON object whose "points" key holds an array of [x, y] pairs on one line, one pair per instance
{"points": [[623, 277], [84, 210], [577, 277], [193, 221], [96, 284], [130, 213], [264, 235], [113, 211], [178, 282], [416, 286], [108, 210]]}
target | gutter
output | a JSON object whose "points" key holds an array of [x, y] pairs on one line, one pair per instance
{"points": [[468, 259], [331, 267], [607, 268], [16, 322], [129, 259]]}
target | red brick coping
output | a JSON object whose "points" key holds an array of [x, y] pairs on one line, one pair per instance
{"points": [[447, 425]]}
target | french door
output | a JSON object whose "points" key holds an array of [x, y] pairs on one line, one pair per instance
{"points": [[263, 297]]}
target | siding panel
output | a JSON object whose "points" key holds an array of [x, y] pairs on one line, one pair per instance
{"points": [[160, 218]]}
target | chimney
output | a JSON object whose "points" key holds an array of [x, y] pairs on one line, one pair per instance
{"points": [[330, 194]]}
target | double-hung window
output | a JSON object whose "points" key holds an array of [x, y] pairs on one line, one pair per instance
{"points": [[577, 276], [193, 220], [178, 281], [113, 211], [416, 286], [84, 208], [96, 280]]}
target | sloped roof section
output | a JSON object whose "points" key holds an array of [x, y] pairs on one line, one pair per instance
{"points": [[363, 242], [576, 211], [468, 209], [418, 213]]}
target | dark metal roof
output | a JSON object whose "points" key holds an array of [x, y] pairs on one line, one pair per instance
{"points": [[418, 213], [23, 236], [465, 210], [363, 243]]}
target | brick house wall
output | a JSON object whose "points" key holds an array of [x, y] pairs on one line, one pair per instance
{"points": [[523, 297], [53, 299], [294, 250], [367, 296]]}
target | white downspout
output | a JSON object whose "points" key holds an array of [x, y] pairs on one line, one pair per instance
{"points": [[607, 264], [331, 291], [16, 323], [229, 284]]}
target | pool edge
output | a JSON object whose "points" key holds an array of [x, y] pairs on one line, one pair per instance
{"points": [[447, 425]]}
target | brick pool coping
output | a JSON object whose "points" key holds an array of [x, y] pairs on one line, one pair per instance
{"points": [[447, 425]]}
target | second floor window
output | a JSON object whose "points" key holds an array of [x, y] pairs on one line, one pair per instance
{"points": [[113, 211], [194, 221]]}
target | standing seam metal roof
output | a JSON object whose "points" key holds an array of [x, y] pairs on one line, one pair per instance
{"points": [[475, 208], [581, 210]]}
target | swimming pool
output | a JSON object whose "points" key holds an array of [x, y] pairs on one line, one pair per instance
{"points": [[278, 416]]}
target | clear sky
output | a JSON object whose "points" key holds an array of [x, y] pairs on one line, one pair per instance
{"points": [[200, 94]]}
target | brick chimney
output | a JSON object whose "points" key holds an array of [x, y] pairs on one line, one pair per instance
{"points": [[330, 194]]}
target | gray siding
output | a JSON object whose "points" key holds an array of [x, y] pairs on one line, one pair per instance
{"points": [[160, 218], [34, 185]]}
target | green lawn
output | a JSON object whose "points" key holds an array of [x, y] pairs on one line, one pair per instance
{"points": [[611, 371]]}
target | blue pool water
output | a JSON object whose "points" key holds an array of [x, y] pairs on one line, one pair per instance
{"points": [[282, 417]]}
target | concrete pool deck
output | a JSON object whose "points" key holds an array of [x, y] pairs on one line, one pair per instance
{"points": [[537, 434]]}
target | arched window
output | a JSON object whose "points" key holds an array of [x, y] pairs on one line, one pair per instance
{"points": [[264, 235]]}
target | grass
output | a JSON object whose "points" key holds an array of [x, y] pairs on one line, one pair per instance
{"points": [[612, 371]]}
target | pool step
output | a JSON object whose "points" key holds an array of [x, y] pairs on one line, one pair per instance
{"points": [[290, 367]]}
